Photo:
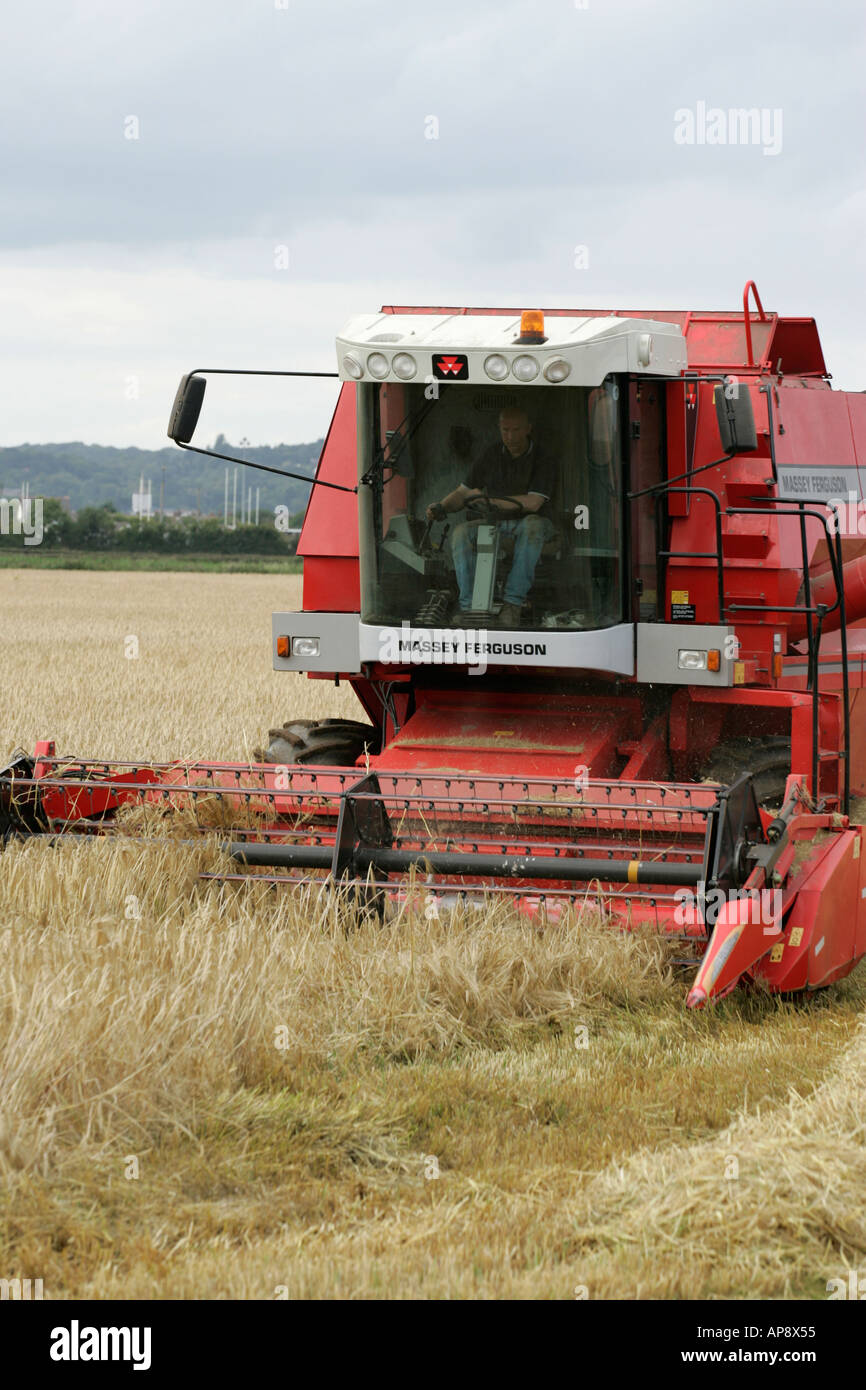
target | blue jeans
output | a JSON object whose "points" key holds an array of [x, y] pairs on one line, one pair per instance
{"points": [[531, 533]]}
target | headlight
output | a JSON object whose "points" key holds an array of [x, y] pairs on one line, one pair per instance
{"points": [[692, 661], [557, 370], [353, 368], [404, 366], [305, 646], [525, 368], [496, 367], [378, 365]]}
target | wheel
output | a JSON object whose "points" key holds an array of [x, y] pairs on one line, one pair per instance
{"points": [[767, 759], [332, 742], [20, 810]]}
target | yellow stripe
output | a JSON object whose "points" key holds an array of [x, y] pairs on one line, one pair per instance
{"points": [[633, 866]]}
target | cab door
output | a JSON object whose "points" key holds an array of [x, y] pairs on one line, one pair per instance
{"points": [[645, 454]]}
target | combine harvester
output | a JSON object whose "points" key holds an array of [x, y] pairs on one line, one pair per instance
{"points": [[648, 694]]}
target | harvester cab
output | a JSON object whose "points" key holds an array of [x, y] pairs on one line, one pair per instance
{"points": [[490, 472], [484, 428], [584, 572]]}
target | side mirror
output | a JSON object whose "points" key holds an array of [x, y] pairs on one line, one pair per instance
{"points": [[736, 419], [186, 408]]}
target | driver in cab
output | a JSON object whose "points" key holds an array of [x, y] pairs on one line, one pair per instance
{"points": [[517, 480]]}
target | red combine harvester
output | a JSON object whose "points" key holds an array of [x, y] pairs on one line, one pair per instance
{"points": [[597, 579]]}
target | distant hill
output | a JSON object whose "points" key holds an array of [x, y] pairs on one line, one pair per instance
{"points": [[92, 474]]}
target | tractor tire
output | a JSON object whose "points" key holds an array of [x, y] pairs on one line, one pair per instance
{"points": [[768, 759], [20, 811], [328, 742]]}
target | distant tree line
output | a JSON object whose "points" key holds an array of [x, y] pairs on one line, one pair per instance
{"points": [[92, 474], [104, 528]]}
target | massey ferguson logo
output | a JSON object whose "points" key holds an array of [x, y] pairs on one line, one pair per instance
{"points": [[451, 367]]}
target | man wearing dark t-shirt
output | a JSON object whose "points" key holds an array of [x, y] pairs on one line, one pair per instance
{"points": [[518, 481]]}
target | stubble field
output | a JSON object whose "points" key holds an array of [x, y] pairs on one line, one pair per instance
{"points": [[235, 1094]]}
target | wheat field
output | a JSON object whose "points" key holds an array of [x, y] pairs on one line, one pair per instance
{"points": [[210, 1092]]}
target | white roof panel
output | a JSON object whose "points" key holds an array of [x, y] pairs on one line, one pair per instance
{"points": [[593, 347]]}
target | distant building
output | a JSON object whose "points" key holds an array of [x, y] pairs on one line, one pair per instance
{"points": [[142, 501]]}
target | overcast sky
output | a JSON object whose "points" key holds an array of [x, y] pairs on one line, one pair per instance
{"points": [[298, 131]]}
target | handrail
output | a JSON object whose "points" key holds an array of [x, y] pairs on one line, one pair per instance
{"points": [[750, 285], [821, 611], [818, 611]]}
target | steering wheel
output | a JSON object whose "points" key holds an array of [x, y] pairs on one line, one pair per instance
{"points": [[482, 510]]}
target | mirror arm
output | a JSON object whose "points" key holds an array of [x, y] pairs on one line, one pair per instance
{"points": [[266, 468], [252, 371], [246, 463]]}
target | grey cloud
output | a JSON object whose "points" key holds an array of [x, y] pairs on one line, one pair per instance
{"points": [[305, 127], [255, 118]]}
